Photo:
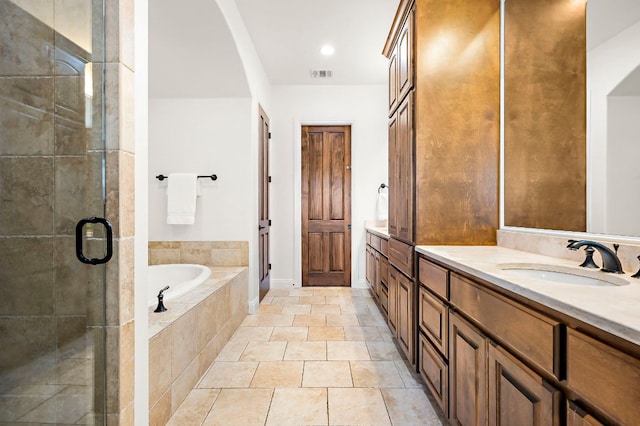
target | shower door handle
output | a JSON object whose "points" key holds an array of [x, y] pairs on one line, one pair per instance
{"points": [[109, 237]]}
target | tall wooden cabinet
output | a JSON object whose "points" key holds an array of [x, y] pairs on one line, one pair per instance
{"points": [[444, 99], [444, 104]]}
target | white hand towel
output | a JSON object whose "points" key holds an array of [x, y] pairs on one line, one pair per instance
{"points": [[182, 191], [382, 205]]}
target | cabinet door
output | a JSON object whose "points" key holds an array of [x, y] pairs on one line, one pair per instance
{"points": [[434, 371], [404, 170], [517, 395], [376, 274], [393, 80], [405, 58], [383, 284], [392, 319], [467, 373], [406, 330], [578, 417], [433, 320], [394, 187], [370, 265]]}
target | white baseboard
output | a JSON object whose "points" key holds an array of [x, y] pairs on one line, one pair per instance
{"points": [[360, 284], [284, 283], [253, 305]]}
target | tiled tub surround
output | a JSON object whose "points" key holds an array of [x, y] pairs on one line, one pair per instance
{"points": [[212, 253], [185, 340], [612, 309]]}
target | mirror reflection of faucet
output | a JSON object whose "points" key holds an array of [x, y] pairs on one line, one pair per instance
{"points": [[161, 307]]}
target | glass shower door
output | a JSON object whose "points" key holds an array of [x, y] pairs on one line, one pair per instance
{"points": [[51, 176]]}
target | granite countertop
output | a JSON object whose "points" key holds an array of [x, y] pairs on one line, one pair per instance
{"points": [[614, 309], [380, 231]]}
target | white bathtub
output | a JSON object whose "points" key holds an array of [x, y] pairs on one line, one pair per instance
{"points": [[181, 279]]}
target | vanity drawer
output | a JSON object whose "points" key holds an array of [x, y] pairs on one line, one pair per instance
{"points": [[435, 372], [434, 277], [531, 335], [604, 376], [384, 247], [375, 242], [401, 256], [433, 320]]}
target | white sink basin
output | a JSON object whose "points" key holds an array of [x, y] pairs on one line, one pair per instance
{"points": [[561, 274]]}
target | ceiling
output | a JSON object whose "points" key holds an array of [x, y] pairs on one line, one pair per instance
{"points": [[288, 35], [192, 52]]}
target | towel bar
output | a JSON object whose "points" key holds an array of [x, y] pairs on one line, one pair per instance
{"points": [[212, 177], [382, 186]]}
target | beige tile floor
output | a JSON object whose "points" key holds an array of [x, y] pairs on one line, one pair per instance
{"points": [[311, 356]]}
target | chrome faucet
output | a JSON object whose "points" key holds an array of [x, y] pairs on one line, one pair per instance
{"points": [[610, 261]]}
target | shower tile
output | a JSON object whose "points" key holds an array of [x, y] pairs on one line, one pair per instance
{"points": [[71, 188], [70, 131], [26, 270], [27, 43], [69, 329], [119, 106], [120, 203], [120, 278], [26, 116], [26, 185], [71, 278], [25, 338]]}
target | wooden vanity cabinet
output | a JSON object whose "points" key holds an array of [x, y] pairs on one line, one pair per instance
{"points": [[468, 373], [476, 349], [518, 395], [604, 377], [578, 417]]}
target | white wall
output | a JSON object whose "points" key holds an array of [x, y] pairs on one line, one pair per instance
{"points": [[202, 136], [623, 177], [365, 108], [607, 65]]}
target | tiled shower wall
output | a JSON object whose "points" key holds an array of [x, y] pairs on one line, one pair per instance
{"points": [[48, 161], [120, 141]]}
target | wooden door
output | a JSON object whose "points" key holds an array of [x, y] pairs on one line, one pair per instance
{"points": [[467, 374], [517, 395], [326, 205], [264, 224], [393, 176]]}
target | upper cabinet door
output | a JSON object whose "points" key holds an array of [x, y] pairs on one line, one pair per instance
{"points": [[393, 81], [404, 169], [404, 51]]}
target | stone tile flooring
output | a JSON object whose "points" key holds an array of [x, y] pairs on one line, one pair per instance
{"points": [[310, 356]]}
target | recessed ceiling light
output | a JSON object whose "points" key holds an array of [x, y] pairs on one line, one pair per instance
{"points": [[327, 50]]}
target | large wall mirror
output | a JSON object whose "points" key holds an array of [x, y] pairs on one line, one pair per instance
{"points": [[572, 115]]}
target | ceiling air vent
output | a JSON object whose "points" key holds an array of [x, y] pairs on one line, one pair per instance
{"points": [[321, 73]]}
